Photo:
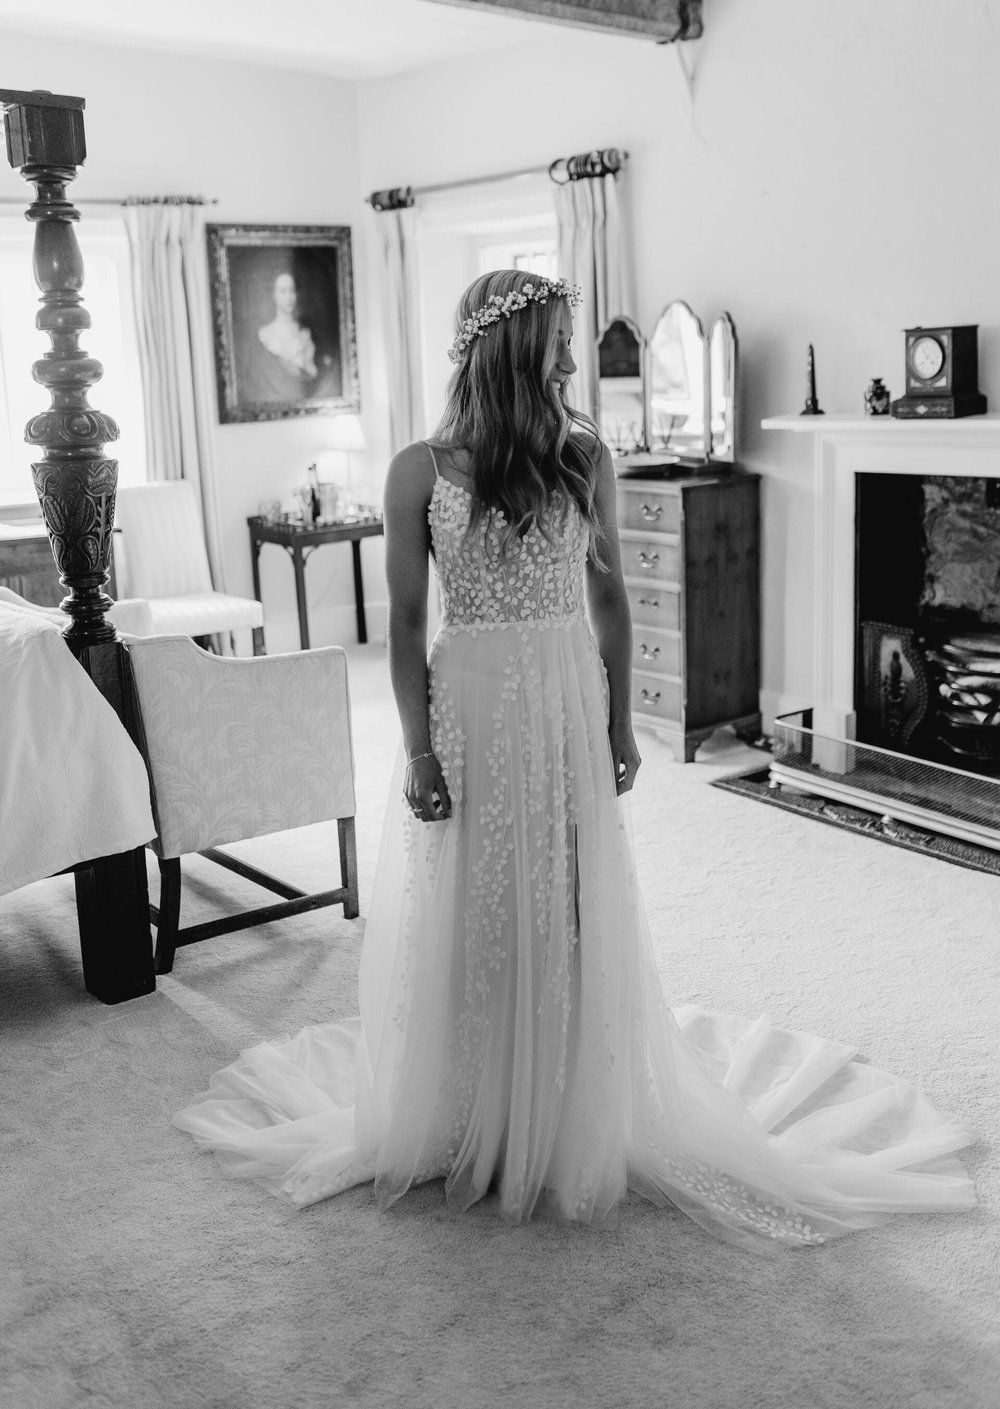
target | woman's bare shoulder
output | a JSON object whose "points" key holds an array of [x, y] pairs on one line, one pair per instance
{"points": [[587, 437], [451, 457], [410, 478], [593, 446]]}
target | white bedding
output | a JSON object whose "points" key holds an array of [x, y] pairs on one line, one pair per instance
{"points": [[73, 786]]}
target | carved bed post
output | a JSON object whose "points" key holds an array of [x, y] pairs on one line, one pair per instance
{"points": [[75, 483]]}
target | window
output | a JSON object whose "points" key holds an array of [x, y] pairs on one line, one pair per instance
{"points": [[463, 234], [112, 340], [537, 255]]}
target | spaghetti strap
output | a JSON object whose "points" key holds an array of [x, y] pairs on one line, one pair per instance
{"points": [[437, 472]]}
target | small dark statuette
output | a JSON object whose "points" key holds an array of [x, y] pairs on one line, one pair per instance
{"points": [[878, 398], [812, 407]]}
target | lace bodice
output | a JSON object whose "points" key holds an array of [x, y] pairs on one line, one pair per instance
{"points": [[540, 578]]}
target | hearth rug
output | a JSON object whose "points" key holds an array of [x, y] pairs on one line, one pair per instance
{"points": [[545, 1067]]}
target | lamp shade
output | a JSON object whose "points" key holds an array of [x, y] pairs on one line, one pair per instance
{"points": [[346, 434]]}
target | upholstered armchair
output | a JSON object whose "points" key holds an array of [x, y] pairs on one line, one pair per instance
{"points": [[161, 556], [239, 747]]}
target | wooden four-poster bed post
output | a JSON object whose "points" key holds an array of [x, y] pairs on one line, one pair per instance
{"points": [[75, 483]]}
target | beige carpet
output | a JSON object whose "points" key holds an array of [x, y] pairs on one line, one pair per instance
{"points": [[135, 1275]]}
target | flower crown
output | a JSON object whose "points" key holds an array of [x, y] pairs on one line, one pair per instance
{"points": [[499, 306]]}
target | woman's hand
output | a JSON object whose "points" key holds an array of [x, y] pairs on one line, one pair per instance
{"points": [[425, 790], [624, 756]]}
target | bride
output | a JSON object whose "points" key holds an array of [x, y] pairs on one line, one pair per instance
{"points": [[513, 1037]]}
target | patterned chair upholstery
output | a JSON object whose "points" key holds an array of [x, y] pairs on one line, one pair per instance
{"points": [[239, 747], [162, 557]]}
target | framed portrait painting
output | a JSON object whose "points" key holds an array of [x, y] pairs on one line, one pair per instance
{"points": [[283, 319]]}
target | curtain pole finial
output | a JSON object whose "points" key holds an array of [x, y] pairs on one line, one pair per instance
{"points": [[393, 198], [605, 161]]}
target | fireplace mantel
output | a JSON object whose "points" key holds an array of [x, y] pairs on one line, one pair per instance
{"points": [[885, 428], [845, 446]]}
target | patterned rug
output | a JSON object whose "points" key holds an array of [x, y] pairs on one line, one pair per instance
{"points": [[855, 819]]}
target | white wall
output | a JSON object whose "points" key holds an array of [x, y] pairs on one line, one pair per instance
{"points": [[829, 181], [274, 147]]}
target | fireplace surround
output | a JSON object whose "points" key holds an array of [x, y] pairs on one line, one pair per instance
{"points": [[815, 751]]}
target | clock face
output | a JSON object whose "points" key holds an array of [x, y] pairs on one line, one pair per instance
{"points": [[926, 358]]}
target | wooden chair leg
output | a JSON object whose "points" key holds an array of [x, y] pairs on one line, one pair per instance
{"points": [[348, 866], [170, 914], [258, 641]]}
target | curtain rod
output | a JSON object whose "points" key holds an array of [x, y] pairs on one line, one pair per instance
{"points": [[123, 200], [602, 162]]}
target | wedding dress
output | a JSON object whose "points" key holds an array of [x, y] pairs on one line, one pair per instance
{"points": [[513, 1035]]}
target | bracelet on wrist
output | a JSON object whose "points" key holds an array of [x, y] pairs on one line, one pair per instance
{"points": [[420, 756]]}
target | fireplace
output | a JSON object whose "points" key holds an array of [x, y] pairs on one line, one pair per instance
{"points": [[927, 617], [906, 623]]}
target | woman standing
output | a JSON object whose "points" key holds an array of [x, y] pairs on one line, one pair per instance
{"points": [[513, 1034]]}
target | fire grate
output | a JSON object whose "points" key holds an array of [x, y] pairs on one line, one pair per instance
{"points": [[759, 787], [934, 796]]}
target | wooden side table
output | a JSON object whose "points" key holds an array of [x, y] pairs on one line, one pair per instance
{"points": [[299, 540]]}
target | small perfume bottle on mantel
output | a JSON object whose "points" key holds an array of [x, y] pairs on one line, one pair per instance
{"points": [[878, 398]]}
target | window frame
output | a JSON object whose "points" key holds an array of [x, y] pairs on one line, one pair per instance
{"points": [[103, 238]]}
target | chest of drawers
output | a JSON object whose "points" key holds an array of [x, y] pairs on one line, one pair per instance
{"points": [[691, 558], [28, 568]]}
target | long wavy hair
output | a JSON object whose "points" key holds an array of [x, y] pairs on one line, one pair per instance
{"points": [[515, 422]]}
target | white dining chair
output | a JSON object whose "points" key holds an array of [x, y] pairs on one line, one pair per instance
{"points": [[160, 555]]}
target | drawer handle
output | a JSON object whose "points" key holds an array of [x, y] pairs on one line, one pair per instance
{"points": [[650, 515], [649, 601], [648, 560], [649, 698], [648, 654]]}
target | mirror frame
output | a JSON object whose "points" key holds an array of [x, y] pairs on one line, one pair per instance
{"points": [[724, 449], [643, 347], [692, 456]]}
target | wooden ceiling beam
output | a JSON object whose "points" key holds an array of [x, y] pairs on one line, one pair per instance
{"points": [[662, 20]]}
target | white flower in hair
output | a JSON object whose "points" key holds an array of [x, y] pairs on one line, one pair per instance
{"points": [[499, 306]]}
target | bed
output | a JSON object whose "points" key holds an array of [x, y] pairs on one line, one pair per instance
{"points": [[73, 785]]}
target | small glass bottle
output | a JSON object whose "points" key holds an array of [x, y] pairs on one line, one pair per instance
{"points": [[313, 474], [877, 398]]}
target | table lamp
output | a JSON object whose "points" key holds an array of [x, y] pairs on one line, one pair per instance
{"points": [[347, 437]]}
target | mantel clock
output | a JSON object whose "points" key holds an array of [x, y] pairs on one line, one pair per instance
{"points": [[942, 374]]}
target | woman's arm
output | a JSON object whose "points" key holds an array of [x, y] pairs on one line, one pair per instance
{"points": [[408, 489], [611, 621]]}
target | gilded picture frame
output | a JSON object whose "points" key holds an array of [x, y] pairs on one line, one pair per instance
{"points": [[283, 321]]}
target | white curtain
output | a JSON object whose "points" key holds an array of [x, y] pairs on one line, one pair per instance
{"points": [[593, 253], [397, 243], [173, 312]]}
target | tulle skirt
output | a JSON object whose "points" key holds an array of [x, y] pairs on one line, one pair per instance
{"points": [[513, 1036]]}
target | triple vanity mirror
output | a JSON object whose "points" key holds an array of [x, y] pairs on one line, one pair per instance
{"points": [[674, 399]]}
